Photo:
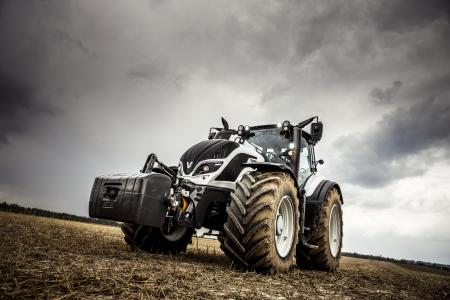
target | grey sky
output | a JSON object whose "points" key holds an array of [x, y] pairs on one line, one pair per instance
{"points": [[90, 87]]}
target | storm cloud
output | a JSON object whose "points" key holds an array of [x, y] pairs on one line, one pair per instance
{"points": [[403, 143], [19, 108], [384, 96]]}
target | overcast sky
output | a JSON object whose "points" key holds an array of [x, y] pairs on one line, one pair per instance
{"points": [[91, 87]]}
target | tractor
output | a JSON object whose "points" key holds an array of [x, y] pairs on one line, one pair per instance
{"points": [[256, 187]]}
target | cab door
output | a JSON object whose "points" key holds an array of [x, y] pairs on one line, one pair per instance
{"points": [[306, 159]]}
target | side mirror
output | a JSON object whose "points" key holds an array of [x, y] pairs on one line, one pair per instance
{"points": [[316, 131], [318, 162]]}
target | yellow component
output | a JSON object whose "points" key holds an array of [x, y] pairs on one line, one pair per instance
{"points": [[185, 204]]}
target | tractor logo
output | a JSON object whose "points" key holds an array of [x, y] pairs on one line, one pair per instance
{"points": [[189, 164]]}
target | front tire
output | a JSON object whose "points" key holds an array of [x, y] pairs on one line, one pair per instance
{"points": [[261, 232], [328, 237], [155, 240]]}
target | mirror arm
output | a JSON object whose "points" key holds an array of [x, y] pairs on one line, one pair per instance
{"points": [[318, 162]]}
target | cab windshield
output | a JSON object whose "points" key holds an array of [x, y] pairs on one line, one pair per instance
{"points": [[270, 143]]}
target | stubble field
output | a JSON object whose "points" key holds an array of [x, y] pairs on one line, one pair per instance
{"points": [[49, 258]]}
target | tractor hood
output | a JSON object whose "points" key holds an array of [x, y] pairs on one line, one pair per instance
{"points": [[209, 149]]}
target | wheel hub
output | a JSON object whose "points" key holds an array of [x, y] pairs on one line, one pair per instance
{"points": [[334, 230], [279, 225], [284, 226]]}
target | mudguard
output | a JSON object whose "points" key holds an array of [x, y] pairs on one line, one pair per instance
{"points": [[313, 211], [266, 166]]}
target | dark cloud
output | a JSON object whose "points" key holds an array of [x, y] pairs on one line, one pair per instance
{"points": [[149, 71], [315, 43], [428, 86], [18, 107], [384, 96], [404, 143], [402, 15], [157, 73], [70, 41], [424, 126]]}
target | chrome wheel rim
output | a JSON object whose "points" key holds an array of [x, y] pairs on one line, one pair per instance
{"points": [[284, 226], [334, 230], [175, 234]]}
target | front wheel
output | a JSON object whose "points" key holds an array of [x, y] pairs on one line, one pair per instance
{"points": [[157, 240], [261, 232]]}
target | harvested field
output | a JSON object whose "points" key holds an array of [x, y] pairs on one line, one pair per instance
{"points": [[62, 259]]}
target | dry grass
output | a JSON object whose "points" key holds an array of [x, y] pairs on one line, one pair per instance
{"points": [[49, 258]]}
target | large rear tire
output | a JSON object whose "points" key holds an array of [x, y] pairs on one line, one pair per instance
{"points": [[155, 240], [328, 237], [261, 232]]}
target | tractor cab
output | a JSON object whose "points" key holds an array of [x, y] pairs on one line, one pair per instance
{"points": [[282, 143]]}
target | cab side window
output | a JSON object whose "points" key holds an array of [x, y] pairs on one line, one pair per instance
{"points": [[305, 163]]}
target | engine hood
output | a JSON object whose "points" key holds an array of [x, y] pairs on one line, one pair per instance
{"points": [[209, 149]]}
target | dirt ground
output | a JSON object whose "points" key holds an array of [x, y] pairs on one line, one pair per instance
{"points": [[49, 258]]}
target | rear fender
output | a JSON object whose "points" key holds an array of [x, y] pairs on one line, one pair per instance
{"points": [[321, 191], [314, 203]]}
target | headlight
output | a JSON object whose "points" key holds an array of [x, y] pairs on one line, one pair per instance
{"points": [[208, 168]]}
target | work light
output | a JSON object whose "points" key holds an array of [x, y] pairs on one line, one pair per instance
{"points": [[240, 130]]}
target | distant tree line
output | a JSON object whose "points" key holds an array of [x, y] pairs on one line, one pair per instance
{"points": [[15, 208], [401, 261]]}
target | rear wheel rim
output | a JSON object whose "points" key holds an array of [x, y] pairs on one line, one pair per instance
{"points": [[284, 226], [334, 230]]}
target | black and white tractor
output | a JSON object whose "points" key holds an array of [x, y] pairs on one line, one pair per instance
{"points": [[257, 186]]}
